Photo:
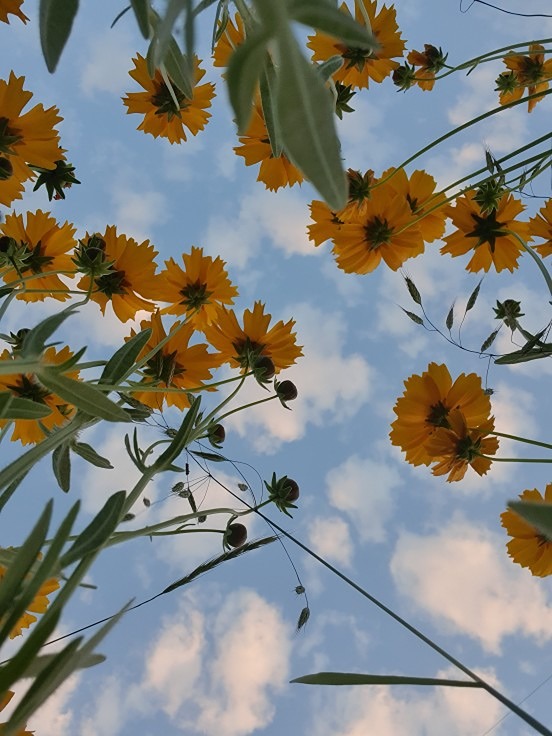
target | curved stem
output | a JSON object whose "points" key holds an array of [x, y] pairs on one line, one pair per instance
{"points": [[536, 258], [246, 406], [521, 439]]}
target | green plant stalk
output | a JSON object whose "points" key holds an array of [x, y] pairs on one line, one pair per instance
{"points": [[246, 406], [535, 257], [522, 439], [202, 426], [516, 459]]}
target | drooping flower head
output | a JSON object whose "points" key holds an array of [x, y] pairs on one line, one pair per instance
{"points": [[488, 231], [176, 365], [198, 289], [128, 277], [528, 546], [166, 115], [27, 386], [38, 245], [229, 40], [243, 346], [540, 226], [25, 138], [427, 63], [360, 64], [275, 171], [11, 7], [426, 405], [526, 71]]}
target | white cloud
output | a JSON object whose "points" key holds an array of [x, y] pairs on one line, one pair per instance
{"points": [[329, 537], [108, 61], [360, 133], [56, 717], [136, 211], [362, 488], [463, 579], [106, 714]]}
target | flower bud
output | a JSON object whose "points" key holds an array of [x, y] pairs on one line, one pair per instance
{"points": [[286, 390], [216, 435], [235, 535], [293, 492], [264, 369], [6, 169]]}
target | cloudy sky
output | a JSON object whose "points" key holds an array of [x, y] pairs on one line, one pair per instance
{"points": [[216, 658]]}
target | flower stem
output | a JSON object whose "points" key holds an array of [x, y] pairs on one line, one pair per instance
{"points": [[522, 439], [246, 406], [536, 258]]}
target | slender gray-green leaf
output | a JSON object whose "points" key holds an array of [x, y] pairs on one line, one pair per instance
{"points": [[189, 37], [414, 317], [9, 491], [489, 341], [306, 122], [329, 19], [329, 67], [13, 407], [450, 318], [98, 531], [220, 22], [88, 453], [213, 457], [413, 290], [242, 77], [351, 678], [473, 297], [35, 339], [141, 10], [82, 395], [61, 464], [178, 69], [538, 515], [39, 663], [520, 356], [124, 358], [182, 438], [268, 101], [55, 20], [163, 31]]}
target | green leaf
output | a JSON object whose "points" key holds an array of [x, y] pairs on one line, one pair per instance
{"points": [[413, 290], [520, 356], [306, 122], [329, 67], [242, 76], [538, 515], [141, 10], [473, 297], [220, 22], [82, 395], [35, 339], [122, 361], [89, 454], [351, 678], [39, 663], [55, 20], [489, 341], [182, 438], [211, 456], [268, 97], [13, 407], [327, 18], [414, 317], [61, 463], [98, 531], [163, 31], [10, 490], [450, 318], [178, 69]]}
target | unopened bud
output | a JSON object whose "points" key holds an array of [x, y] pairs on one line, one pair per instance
{"points": [[235, 535]]}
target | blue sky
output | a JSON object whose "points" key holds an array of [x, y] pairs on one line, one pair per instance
{"points": [[216, 657]]}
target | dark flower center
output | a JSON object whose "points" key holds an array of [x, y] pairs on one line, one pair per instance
{"points": [[531, 70], [248, 352], [487, 229], [195, 295], [437, 416], [112, 283], [163, 367], [8, 136], [29, 388], [377, 232], [355, 57], [163, 100], [35, 261]]}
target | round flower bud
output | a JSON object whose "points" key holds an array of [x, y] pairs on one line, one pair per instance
{"points": [[235, 535], [264, 368], [293, 492], [286, 390], [6, 168], [216, 435]]}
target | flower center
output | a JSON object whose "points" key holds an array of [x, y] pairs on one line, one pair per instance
{"points": [[437, 416], [112, 283], [163, 367], [163, 100], [355, 57], [34, 260], [487, 229], [195, 295], [377, 232], [531, 70], [8, 136], [248, 352], [29, 388]]}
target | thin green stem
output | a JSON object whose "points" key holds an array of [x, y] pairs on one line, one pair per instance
{"points": [[536, 258], [516, 459], [246, 406], [521, 439]]}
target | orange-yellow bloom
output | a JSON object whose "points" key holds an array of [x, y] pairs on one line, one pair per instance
{"points": [[39, 604], [275, 171], [229, 40], [490, 234], [130, 282], [162, 117], [176, 365], [4, 700], [540, 226], [431, 60], [243, 346], [27, 386], [361, 65], [198, 290], [42, 246], [418, 190], [426, 405], [528, 546], [529, 71], [11, 7]]}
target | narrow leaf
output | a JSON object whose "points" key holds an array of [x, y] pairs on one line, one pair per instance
{"points": [[351, 678], [242, 76], [538, 515], [177, 68], [519, 356], [268, 101], [413, 290], [61, 463], [82, 395], [211, 456], [35, 339], [489, 341], [473, 297], [329, 67], [414, 317], [182, 438], [89, 454], [450, 318], [55, 20], [13, 407], [122, 361], [141, 10], [39, 663], [163, 31]]}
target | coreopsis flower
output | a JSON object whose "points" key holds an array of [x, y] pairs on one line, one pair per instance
{"points": [[40, 245], [162, 116], [11, 7], [243, 346], [325, 222], [488, 232], [39, 604], [383, 233], [540, 226], [457, 447], [430, 62], [529, 71], [129, 281], [275, 171], [176, 365], [528, 546], [27, 386], [360, 64], [25, 138], [4, 700], [419, 192], [197, 290], [426, 405], [230, 39]]}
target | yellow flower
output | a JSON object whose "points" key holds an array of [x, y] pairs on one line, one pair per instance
{"points": [[487, 232], [39, 604], [275, 171], [25, 138], [131, 280], [198, 289], [431, 60], [230, 39], [4, 700], [540, 226], [176, 365], [326, 223], [530, 71], [361, 65], [243, 346], [27, 386], [418, 190], [161, 115], [44, 246], [12, 7], [426, 405], [528, 546], [457, 447], [382, 234]]}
